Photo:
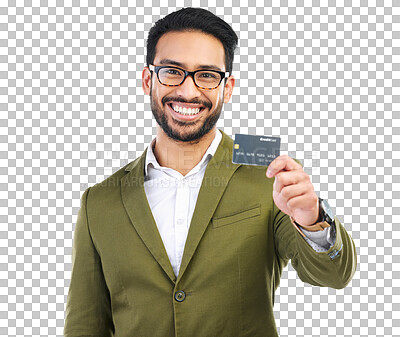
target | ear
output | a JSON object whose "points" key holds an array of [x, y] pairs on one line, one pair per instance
{"points": [[230, 83], [146, 80]]}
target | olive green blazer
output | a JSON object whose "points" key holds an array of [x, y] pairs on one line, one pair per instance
{"points": [[122, 283]]}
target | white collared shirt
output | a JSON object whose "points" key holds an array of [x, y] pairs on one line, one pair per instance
{"points": [[172, 198]]}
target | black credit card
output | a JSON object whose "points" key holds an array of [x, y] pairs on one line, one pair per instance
{"points": [[255, 150]]}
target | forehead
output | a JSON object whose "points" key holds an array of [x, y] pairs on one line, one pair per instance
{"points": [[191, 49]]}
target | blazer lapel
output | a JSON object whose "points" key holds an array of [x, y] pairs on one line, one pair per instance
{"points": [[138, 209], [218, 172]]}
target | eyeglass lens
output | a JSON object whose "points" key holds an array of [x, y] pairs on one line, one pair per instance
{"points": [[204, 79]]}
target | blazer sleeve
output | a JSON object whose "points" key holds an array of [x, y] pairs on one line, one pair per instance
{"points": [[88, 309], [333, 268]]}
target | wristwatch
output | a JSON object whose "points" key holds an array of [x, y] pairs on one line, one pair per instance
{"points": [[325, 214]]}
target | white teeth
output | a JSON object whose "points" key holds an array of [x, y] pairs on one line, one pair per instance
{"points": [[185, 111]]}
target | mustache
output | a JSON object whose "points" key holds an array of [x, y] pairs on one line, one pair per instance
{"points": [[181, 100]]}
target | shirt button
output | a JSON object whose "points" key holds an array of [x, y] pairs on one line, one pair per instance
{"points": [[179, 222], [180, 296]]}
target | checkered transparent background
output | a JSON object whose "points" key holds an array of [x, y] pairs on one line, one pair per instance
{"points": [[323, 75]]}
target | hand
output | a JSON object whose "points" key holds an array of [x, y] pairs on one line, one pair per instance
{"points": [[293, 191]]}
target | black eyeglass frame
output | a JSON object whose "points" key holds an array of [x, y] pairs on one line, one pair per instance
{"points": [[156, 69]]}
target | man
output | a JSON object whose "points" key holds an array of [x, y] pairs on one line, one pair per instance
{"points": [[181, 241]]}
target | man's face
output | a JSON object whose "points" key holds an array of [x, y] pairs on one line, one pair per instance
{"points": [[190, 51]]}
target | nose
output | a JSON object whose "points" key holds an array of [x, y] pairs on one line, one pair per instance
{"points": [[188, 89]]}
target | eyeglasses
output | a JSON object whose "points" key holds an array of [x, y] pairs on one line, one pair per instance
{"points": [[174, 76]]}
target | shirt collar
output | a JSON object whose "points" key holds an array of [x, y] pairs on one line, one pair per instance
{"points": [[152, 161]]}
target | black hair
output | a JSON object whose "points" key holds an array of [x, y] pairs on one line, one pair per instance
{"points": [[194, 19]]}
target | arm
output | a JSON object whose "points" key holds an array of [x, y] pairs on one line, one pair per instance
{"points": [[293, 194], [333, 268], [88, 310]]}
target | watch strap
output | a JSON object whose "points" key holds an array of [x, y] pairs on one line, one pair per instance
{"points": [[319, 226]]}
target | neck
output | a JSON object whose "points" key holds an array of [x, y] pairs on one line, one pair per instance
{"points": [[181, 156]]}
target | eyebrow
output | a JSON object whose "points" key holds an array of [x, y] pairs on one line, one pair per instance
{"points": [[179, 64]]}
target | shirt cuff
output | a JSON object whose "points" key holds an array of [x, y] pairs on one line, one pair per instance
{"points": [[321, 241]]}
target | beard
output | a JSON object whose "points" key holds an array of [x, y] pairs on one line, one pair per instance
{"points": [[179, 130]]}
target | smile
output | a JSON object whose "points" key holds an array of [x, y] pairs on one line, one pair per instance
{"points": [[186, 111]]}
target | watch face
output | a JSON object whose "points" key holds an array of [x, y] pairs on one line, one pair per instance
{"points": [[327, 209]]}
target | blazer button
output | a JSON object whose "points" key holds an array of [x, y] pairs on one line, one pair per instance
{"points": [[180, 296]]}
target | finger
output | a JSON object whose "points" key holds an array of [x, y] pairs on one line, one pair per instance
{"points": [[292, 191], [282, 163], [286, 178], [306, 201]]}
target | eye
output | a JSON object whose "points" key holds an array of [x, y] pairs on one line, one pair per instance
{"points": [[208, 75], [171, 71]]}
